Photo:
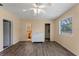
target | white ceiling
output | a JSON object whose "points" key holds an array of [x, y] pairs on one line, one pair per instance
{"points": [[53, 10]]}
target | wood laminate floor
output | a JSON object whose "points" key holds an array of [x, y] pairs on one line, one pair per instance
{"points": [[36, 49]]}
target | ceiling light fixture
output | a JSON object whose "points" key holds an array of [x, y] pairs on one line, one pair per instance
{"points": [[38, 8], [24, 10]]}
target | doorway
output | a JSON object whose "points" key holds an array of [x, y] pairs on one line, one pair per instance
{"points": [[29, 32], [47, 32], [6, 34]]}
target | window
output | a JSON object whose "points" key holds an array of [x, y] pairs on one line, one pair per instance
{"points": [[65, 26]]}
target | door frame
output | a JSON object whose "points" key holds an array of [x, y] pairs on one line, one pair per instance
{"points": [[11, 32]]}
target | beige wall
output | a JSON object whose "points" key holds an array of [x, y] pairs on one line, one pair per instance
{"points": [[4, 14], [70, 41], [37, 26]]}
